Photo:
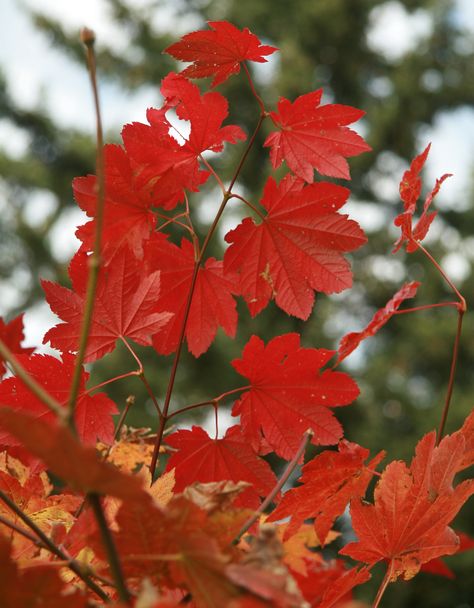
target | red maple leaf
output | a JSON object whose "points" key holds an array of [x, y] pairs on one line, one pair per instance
{"points": [[75, 463], [200, 458], [289, 394], [410, 189], [163, 167], [351, 341], [408, 523], [127, 216], [132, 312], [298, 247], [206, 113], [467, 432], [12, 335], [329, 482], [311, 137], [212, 305], [93, 414], [37, 585], [218, 52], [328, 584]]}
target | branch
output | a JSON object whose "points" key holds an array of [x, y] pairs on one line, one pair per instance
{"points": [[110, 549], [88, 38], [281, 482]]}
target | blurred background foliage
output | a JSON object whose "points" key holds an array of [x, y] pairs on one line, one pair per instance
{"points": [[403, 372]]}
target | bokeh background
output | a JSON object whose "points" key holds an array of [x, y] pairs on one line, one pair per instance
{"points": [[408, 63]]}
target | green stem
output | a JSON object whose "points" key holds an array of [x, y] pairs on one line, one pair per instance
{"points": [[94, 260], [36, 388], [281, 482], [110, 549], [50, 545]]}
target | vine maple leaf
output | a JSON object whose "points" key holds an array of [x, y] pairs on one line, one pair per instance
{"points": [[162, 166], [212, 305], [93, 414], [298, 247], [329, 482], [206, 113], [328, 584], [200, 458], [12, 335], [187, 543], [351, 341], [38, 585], [77, 464], [410, 189], [132, 312], [32, 496], [289, 394], [408, 523], [218, 52], [127, 216], [311, 137]]}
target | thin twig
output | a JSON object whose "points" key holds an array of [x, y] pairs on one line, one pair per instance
{"points": [[281, 482], [88, 38], [110, 549]]}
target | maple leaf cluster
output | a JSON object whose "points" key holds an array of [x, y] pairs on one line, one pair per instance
{"points": [[113, 532]]}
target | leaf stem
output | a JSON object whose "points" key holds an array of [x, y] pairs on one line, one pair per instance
{"points": [[141, 375], [452, 375], [281, 482], [211, 402], [249, 204], [427, 307], [94, 261], [114, 379], [212, 171], [110, 549], [53, 548], [34, 386], [252, 87], [383, 586], [461, 307], [462, 301]]}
